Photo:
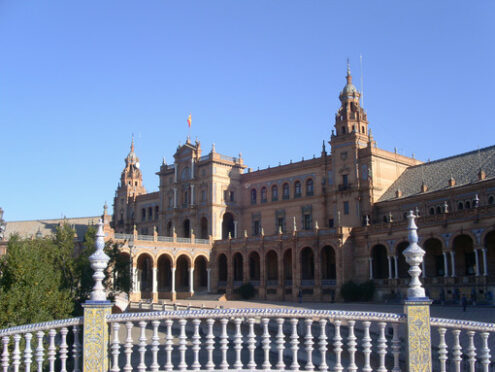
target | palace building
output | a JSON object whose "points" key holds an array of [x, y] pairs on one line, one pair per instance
{"points": [[305, 228]]}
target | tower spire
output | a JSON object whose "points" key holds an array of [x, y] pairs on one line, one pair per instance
{"points": [[132, 143]]}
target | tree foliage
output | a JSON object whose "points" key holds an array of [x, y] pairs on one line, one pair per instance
{"points": [[44, 279]]}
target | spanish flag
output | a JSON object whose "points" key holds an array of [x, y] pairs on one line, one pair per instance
{"points": [[189, 120]]}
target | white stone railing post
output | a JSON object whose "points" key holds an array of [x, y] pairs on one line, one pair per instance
{"points": [[95, 329], [416, 306]]}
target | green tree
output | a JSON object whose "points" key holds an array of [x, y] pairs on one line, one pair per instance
{"points": [[32, 288]]}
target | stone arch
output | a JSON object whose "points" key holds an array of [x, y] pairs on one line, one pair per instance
{"points": [[186, 228], [228, 225], [145, 274], [271, 266], [402, 265], [380, 263], [489, 244], [307, 258], [182, 273], [223, 269], [328, 266], [254, 266], [463, 248], [200, 273], [434, 263], [203, 230], [288, 265], [237, 263], [164, 273]]}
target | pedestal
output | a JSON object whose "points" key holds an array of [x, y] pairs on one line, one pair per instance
{"points": [[418, 335], [95, 336]]}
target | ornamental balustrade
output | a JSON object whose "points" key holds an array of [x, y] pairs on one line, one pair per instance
{"points": [[251, 339]]}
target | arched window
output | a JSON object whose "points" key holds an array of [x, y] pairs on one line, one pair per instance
{"points": [[439, 209], [309, 187], [274, 193], [263, 195], [186, 174], [253, 196], [297, 189], [468, 204], [143, 214], [285, 191], [460, 206], [432, 211], [491, 200]]}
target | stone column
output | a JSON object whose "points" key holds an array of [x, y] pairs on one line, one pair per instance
{"points": [[176, 170], [173, 294], [192, 167], [154, 291], [192, 194], [191, 281], [175, 197], [452, 261], [371, 267], [389, 259], [485, 265], [445, 265], [134, 280], [416, 307], [396, 265], [96, 310], [235, 228], [477, 263], [208, 279]]}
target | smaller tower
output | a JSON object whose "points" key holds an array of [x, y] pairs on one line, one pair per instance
{"points": [[130, 186]]}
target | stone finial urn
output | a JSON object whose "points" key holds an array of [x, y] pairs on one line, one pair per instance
{"points": [[99, 261], [414, 257]]}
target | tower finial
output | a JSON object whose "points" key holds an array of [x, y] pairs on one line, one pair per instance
{"points": [[132, 143], [348, 67]]}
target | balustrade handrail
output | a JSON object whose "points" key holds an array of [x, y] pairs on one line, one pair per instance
{"points": [[257, 312], [42, 326], [467, 325]]}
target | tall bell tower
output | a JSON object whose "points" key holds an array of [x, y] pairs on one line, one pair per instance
{"points": [[130, 186]]}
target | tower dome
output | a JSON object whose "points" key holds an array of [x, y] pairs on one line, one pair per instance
{"points": [[349, 91]]}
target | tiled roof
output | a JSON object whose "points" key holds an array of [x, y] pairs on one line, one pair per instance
{"points": [[464, 168], [27, 229]]}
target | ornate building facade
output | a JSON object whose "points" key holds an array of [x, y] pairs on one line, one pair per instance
{"points": [[305, 228]]}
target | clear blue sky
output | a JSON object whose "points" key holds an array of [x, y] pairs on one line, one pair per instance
{"points": [[77, 78]]}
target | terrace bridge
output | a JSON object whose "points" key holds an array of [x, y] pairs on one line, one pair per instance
{"points": [[252, 339]]}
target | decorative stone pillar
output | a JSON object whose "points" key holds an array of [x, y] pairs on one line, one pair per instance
{"points": [[485, 264], [175, 197], [445, 265], [154, 290], [389, 259], [95, 329], [191, 281], [192, 195], [416, 307], [208, 279], [396, 265], [477, 263], [235, 228], [173, 294], [371, 267], [452, 262], [176, 170]]}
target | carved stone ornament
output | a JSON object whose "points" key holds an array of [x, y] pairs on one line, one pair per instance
{"points": [[99, 261], [414, 257]]}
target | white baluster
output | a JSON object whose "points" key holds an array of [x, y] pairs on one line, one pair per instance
{"points": [[196, 345], [442, 350], [76, 349], [323, 345], [266, 344], [16, 355], [238, 343], [294, 342], [155, 343], [63, 350], [471, 352], [396, 347], [128, 347], [142, 347], [337, 346], [457, 350], [382, 347], [352, 347], [40, 351], [280, 344], [115, 347], [52, 350], [28, 352], [367, 347], [168, 345], [224, 342], [251, 344], [5, 354], [182, 345], [308, 343], [485, 352], [210, 366]]}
